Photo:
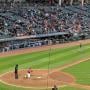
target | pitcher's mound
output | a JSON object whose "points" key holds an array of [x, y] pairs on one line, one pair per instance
{"points": [[39, 78]]}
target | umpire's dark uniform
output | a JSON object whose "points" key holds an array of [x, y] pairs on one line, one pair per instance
{"points": [[16, 71]]}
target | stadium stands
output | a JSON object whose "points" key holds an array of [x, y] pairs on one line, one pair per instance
{"points": [[43, 21]]}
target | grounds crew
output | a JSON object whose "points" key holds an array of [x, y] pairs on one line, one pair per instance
{"points": [[80, 45], [55, 88], [16, 71]]}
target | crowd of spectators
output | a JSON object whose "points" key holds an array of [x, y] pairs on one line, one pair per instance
{"points": [[25, 20], [18, 20]]}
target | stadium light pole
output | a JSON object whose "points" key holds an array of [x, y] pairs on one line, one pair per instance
{"points": [[82, 2], [60, 2], [71, 2]]}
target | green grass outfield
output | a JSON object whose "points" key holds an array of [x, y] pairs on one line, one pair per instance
{"points": [[40, 60]]}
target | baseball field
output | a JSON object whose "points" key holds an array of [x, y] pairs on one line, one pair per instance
{"points": [[65, 65]]}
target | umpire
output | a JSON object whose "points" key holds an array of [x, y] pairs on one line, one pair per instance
{"points": [[16, 71]]}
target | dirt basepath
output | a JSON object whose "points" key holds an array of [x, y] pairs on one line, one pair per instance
{"points": [[42, 48], [37, 80], [86, 87], [70, 64]]}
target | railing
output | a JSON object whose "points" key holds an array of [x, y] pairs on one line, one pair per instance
{"points": [[33, 36]]}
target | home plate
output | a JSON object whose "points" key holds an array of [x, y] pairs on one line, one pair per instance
{"points": [[39, 77]]}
